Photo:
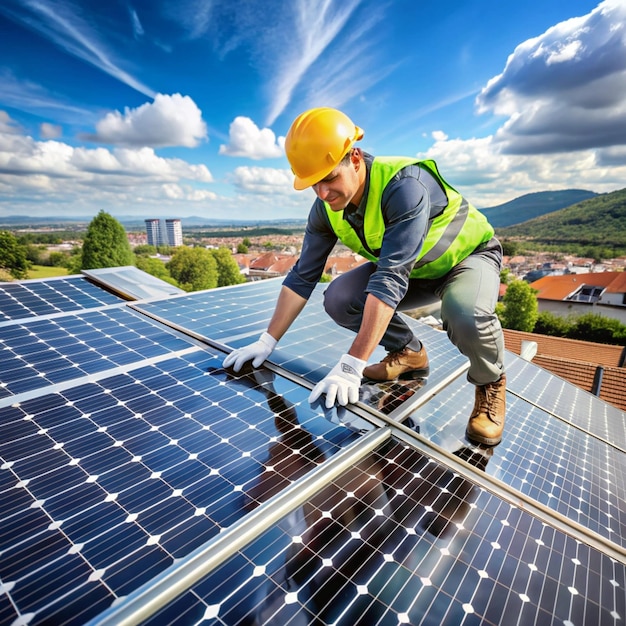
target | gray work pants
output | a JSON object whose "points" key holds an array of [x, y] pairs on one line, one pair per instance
{"points": [[468, 294]]}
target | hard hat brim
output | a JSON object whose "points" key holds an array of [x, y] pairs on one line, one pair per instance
{"points": [[303, 182]]}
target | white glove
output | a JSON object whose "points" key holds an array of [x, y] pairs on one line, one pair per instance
{"points": [[342, 383], [257, 352]]}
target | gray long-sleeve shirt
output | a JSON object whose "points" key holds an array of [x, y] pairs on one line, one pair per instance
{"points": [[410, 199]]}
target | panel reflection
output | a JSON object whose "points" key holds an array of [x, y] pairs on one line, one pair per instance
{"points": [[347, 554]]}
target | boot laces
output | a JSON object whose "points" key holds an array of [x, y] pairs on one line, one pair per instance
{"points": [[488, 400], [394, 357]]}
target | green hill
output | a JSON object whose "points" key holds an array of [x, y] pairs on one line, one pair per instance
{"points": [[599, 221], [533, 205]]}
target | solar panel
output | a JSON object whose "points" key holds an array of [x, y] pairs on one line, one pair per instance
{"points": [[131, 282], [42, 352], [136, 475], [33, 298], [561, 398], [114, 479], [403, 540], [311, 347], [558, 465]]}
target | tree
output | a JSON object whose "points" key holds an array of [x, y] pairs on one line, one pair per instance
{"points": [[193, 268], [155, 268], [551, 324], [227, 269], [594, 327], [74, 261], [145, 249], [506, 276], [13, 256], [519, 308], [106, 244]]}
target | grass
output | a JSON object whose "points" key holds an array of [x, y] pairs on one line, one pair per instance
{"points": [[44, 271]]}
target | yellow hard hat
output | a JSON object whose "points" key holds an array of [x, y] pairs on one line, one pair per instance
{"points": [[316, 142]]}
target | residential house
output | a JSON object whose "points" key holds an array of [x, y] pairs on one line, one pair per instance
{"points": [[601, 293]]}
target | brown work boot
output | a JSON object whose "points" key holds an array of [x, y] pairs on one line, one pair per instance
{"points": [[486, 422], [404, 364]]}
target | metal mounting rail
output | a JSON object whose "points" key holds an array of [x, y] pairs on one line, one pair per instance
{"points": [[179, 577]]}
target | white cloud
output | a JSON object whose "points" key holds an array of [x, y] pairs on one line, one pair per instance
{"points": [[566, 89], [61, 24], [50, 131], [170, 120], [264, 180], [138, 30], [34, 175], [246, 139], [478, 169], [7, 125]]}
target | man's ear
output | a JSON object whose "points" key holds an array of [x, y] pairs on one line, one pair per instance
{"points": [[356, 158]]}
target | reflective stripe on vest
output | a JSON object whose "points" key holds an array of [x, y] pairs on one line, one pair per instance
{"points": [[452, 236]]}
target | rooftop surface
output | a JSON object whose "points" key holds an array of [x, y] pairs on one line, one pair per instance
{"points": [[140, 482]]}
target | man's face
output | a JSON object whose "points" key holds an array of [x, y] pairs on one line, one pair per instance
{"points": [[341, 186]]}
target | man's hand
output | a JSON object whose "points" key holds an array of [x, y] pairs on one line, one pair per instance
{"points": [[342, 383], [256, 352]]}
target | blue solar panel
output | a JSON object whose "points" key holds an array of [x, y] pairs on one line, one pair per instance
{"points": [[311, 347], [42, 352], [556, 464], [112, 480], [125, 448], [403, 540], [34, 298]]}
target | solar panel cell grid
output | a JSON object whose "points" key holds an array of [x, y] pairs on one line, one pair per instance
{"points": [[57, 350], [557, 465], [127, 492], [568, 401], [400, 539], [107, 481], [37, 298]]}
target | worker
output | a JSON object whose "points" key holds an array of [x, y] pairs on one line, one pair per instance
{"points": [[424, 242]]}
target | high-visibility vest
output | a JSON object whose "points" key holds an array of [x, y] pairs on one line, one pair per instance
{"points": [[452, 236]]}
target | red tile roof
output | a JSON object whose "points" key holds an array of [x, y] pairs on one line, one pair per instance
{"points": [[559, 287], [577, 362]]}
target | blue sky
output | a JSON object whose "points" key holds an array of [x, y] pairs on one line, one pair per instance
{"points": [[174, 108]]}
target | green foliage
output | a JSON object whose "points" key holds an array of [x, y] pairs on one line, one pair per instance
{"points": [[145, 249], [48, 239], [57, 259], [246, 242], [587, 327], [506, 276], [242, 248], [519, 308], [194, 268], [36, 254], [74, 261], [106, 244], [156, 268], [593, 327], [13, 256], [598, 222], [325, 278], [227, 269], [550, 324], [510, 247]]}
